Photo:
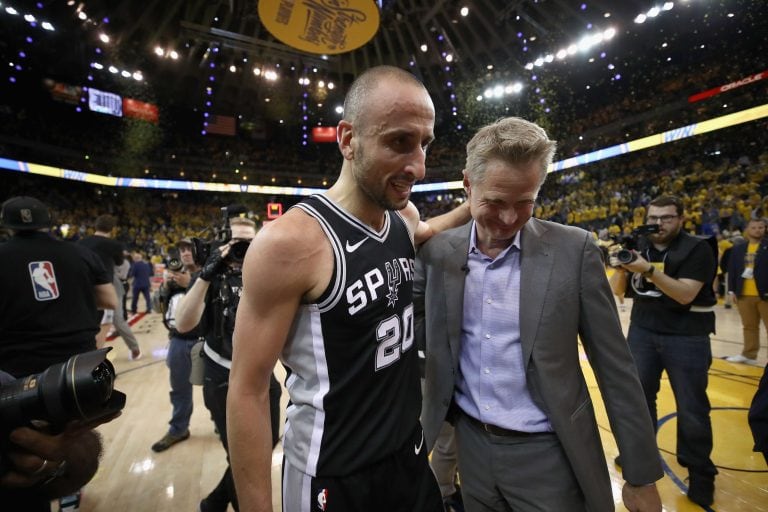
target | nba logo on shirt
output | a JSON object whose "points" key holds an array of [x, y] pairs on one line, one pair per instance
{"points": [[322, 499], [43, 280]]}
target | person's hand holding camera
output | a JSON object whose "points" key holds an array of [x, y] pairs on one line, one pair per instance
{"points": [[638, 265], [58, 464], [215, 264], [182, 279]]}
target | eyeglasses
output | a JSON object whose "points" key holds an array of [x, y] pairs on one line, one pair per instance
{"points": [[653, 219]]}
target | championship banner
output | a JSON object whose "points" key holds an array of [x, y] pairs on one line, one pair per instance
{"points": [[323, 27], [727, 87], [140, 110]]}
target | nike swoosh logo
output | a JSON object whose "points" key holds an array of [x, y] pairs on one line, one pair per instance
{"points": [[417, 449], [353, 248]]}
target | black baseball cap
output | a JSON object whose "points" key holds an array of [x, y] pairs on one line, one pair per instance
{"points": [[25, 213]]}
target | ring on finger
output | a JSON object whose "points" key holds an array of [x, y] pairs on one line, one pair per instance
{"points": [[41, 468]]}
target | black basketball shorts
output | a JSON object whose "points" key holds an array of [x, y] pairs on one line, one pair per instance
{"points": [[402, 482]]}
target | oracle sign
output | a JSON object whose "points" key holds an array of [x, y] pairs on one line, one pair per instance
{"points": [[727, 87], [321, 26], [140, 110]]}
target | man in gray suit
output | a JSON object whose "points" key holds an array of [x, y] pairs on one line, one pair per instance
{"points": [[504, 300]]}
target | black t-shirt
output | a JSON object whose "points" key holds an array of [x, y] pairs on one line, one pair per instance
{"points": [[110, 251], [47, 302], [662, 314]]}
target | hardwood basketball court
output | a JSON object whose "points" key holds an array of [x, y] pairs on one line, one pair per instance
{"points": [[134, 478]]}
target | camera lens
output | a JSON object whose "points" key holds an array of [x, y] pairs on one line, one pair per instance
{"points": [[625, 256], [103, 380], [238, 250]]}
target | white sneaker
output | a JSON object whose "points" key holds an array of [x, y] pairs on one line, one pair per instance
{"points": [[741, 359]]}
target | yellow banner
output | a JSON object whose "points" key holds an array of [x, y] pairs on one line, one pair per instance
{"points": [[323, 27]]}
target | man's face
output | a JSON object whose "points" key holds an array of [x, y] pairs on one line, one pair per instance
{"points": [[755, 230], [503, 202], [389, 143], [185, 253], [670, 223]]}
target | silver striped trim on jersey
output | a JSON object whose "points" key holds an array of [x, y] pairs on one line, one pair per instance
{"points": [[379, 236], [297, 489], [338, 254], [308, 386]]}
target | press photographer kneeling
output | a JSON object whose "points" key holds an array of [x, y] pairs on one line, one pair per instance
{"points": [[669, 277], [211, 301]]}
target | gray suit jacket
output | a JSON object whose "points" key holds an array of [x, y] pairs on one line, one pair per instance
{"points": [[564, 296]]}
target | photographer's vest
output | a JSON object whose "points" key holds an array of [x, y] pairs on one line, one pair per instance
{"points": [[218, 322], [666, 315]]}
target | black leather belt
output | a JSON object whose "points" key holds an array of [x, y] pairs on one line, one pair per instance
{"points": [[498, 431]]}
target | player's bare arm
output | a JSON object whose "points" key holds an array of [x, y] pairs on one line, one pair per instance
{"points": [[423, 230], [288, 262]]}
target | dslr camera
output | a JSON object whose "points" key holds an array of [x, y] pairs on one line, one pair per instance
{"points": [[80, 388], [201, 249], [173, 261], [630, 242]]}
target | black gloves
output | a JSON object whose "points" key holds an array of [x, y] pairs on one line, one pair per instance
{"points": [[214, 266]]}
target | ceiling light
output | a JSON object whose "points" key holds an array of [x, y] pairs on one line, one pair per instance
{"points": [[174, 55], [104, 38], [640, 18], [423, 48], [47, 26], [464, 11], [159, 51], [113, 69]]}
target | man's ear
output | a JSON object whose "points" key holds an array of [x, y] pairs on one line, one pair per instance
{"points": [[344, 139], [467, 186]]}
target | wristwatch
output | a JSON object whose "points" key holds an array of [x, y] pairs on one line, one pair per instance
{"points": [[648, 273]]}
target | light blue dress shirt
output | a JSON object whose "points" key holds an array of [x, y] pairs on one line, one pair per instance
{"points": [[491, 384]]}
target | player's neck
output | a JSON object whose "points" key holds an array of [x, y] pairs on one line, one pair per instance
{"points": [[348, 195]]}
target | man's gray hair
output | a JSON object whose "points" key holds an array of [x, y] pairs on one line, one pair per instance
{"points": [[512, 140]]}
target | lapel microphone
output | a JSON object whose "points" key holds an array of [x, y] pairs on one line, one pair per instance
{"points": [[465, 268]]}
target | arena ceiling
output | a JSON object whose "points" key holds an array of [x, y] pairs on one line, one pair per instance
{"points": [[220, 44]]}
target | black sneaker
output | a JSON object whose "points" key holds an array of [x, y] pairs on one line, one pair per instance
{"points": [[169, 440], [701, 489]]}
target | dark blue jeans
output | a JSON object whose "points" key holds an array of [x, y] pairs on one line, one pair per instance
{"points": [[686, 360], [179, 364]]}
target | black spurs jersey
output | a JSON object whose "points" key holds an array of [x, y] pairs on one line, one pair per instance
{"points": [[352, 367]]}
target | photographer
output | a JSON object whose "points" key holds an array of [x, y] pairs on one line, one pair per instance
{"points": [[180, 268], [212, 302], [670, 280]]}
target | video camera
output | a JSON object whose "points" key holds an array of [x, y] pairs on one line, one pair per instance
{"points": [[630, 242], [201, 249], [79, 389]]}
